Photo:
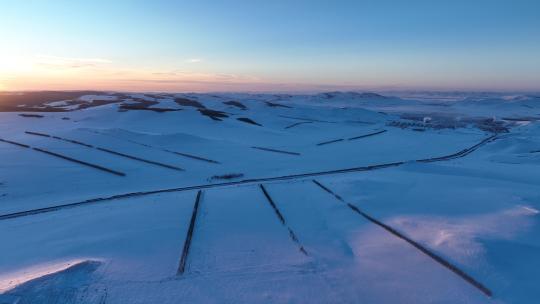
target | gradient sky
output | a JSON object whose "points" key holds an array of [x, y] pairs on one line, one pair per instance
{"points": [[252, 45]]}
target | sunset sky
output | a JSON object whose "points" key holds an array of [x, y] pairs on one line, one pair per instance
{"points": [[270, 45]]}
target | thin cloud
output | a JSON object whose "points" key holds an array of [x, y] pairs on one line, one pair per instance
{"points": [[194, 60], [68, 62]]}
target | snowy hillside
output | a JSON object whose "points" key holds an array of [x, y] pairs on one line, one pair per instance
{"points": [[339, 197]]}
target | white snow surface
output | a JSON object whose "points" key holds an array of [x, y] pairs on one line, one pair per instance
{"points": [[479, 212]]}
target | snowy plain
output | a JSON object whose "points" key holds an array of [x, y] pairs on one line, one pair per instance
{"points": [[325, 198]]}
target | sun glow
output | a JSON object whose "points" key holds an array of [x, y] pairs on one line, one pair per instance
{"points": [[44, 72]]}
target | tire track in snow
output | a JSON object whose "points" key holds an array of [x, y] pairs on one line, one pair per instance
{"points": [[189, 236], [437, 258], [282, 220], [462, 153]]}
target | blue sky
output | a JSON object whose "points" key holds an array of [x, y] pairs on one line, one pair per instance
{"points": [[270, 45]]}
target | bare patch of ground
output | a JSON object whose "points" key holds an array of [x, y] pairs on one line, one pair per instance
{"points": [[276, 105], [235, 104], [213, 114], [189, 103], [249, 121]]}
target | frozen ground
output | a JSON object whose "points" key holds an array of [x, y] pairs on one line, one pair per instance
{"points": [[327, 198]]}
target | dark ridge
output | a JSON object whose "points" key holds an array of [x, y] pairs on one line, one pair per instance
{"points": [[189, 103], [140, 159], [213, 114], [139, 105], [96, 103], [330, 142], [297, 124], [235, 104], [277, 151], [249, 121], [140, 108], [276, 105], [187, 243], [40, 98], [282, 220], [39, 104], [29, 109], [370, 95], [206, 186], [37, 133], [156, 96], [415, 244], [81, 162], [32, 115], [537, 151], [14, 143], [331, 95], [367, 135]]}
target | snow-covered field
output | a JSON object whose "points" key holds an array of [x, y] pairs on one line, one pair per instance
{"points": [[259, 198]]}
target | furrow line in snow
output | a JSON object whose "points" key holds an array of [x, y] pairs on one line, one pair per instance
{"points": [[158, 148], [367, 135], [229, 184], [469, 279], [73, 141], [293, 236], [192, 156], [330, 142], [306, 119], [37, 133], [108, 151], [189, 236], [59, 138], [350, 139], [80, 162], [14, 143], [140, 159], [297, 124], [277, 151]]}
